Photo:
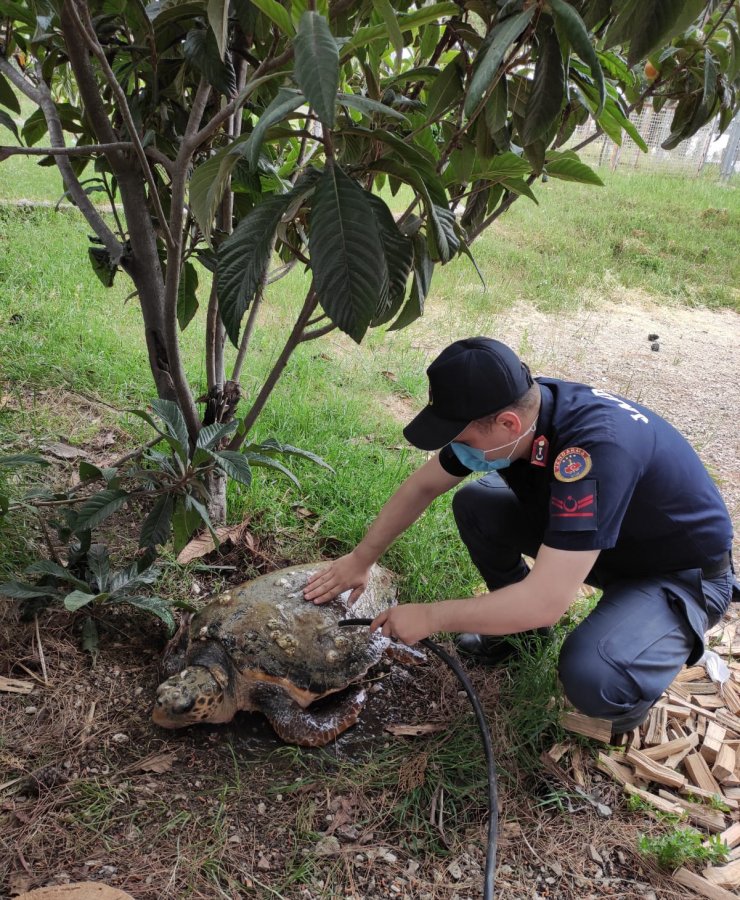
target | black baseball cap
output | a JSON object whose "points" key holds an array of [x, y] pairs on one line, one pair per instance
{"points": [[470, 379]]}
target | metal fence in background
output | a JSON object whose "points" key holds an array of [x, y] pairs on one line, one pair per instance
{"points": [[704, 153]]}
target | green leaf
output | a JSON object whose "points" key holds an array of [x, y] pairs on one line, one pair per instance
{"points": [[570, 168], [169, 412], [399, 258], [572, 25], [497, 108], [207, 185], [77, 599], [423, 271], [411, 22], [47, 567], [218, 19], [21, 459], [184, 522], [284, 103], [158, 607], [650, 23], [445, 91], [34, 128], [243, 259], [9, 123], [519, 186], [158, 524], [391, 23], [18, 590], [444, 240], [277, 13], [548, 89], [210, 435], [201, 51], [8, 97], [491, 55], [367, 106], [89, 472], [505, 165], [271, 445], [266, 462], [102, 265], [203, 513], [98, 561], [234, 464], [347, 259], [317, 65], [187, 295], [98, 508]]}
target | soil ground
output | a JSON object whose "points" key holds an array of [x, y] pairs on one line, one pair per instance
{"points": [[91, 789]]}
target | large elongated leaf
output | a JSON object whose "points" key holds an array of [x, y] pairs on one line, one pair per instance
{"points": [[47, 567], [218, 19], [158, 524], [650, 24], [201, 51], [317, 65], [347, 258], [423, 271], [98, 508], [568, 167], [410, 22], [21, 459], [210, 435], [234, 464], [445, 91], [187, 295], [267, 462], [497, 108], [367, 106], [444, 241], [572, 26], [18, 590], [243, 259], [7, 96], [157, 606], [77, 599], [272, 446], [548, 89], [491, 56], [505, 165], [206, 188], [277, 13], [98, 561], [284, 103], [169, 412], [399, 257]]}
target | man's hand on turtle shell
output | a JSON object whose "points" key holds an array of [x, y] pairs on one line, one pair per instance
{"points": [[343, 574], [410, 622]]}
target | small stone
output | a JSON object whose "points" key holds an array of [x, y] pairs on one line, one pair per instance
{"points": [[108, 870], [454, 870], [655, 346], [120, 738], [261, 808], [263, 863], [30, 710], [653, 337], [505, 870], [328, 845], [557, 869], [387, 855], [595, 855]]}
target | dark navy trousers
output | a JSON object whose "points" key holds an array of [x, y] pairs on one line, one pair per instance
{"points": [[643, 630]]}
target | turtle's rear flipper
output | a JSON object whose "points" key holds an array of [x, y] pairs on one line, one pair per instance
{"points": [[309, 727]]}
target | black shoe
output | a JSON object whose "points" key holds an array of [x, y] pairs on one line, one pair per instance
{"points": [[492, 650]]}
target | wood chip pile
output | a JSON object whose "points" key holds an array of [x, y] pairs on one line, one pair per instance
{"points": [[685, 758]]}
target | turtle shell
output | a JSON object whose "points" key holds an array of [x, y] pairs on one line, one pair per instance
{"points": [[271, 633]]}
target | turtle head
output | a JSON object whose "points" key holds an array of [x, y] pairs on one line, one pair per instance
{"points": [[197, 694]]}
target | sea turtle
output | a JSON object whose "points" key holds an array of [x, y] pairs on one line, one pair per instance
{"points": [[262, 647]]}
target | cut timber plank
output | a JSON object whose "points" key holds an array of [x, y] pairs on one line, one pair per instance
{"points": [[708, 701], [725, 763], [724, 876], [731, 837], [728, 721], [617, 770], [656, 726], [691, 707], [702, 687], [693, 673], [702, 887], [712, 743], [677, 711], [15, 685], [670, 748], [694, 791], [710, 819], [698, 771], [660, 803], [596, 729], [653, 771]]}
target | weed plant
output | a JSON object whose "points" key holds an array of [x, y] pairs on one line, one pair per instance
{"points": [[683, 845]]}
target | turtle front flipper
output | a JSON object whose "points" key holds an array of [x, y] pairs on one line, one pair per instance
{"points": [[309, 727]]}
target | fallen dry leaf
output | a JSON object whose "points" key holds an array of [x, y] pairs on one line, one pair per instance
{"points": [[64, 451], [303, 512], [204, 543], [415, 730], [155, 762]]}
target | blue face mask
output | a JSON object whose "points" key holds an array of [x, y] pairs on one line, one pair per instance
{"points": [[476, 461]]}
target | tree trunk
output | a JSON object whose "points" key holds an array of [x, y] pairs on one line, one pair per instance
{"points": [[216, 486]]}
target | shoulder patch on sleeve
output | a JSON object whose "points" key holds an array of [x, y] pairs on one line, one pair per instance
{"points": [[573, 506], [572, 464]]}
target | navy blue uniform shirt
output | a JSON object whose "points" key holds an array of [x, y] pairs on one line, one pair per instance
{"points": [[608, 474]]}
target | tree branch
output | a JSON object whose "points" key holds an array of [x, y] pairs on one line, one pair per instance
{"points": [[317, 333], [85, 150], [41, 96], [96, 49]]}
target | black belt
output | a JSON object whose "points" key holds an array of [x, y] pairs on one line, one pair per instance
{"points": [[715, 569]]}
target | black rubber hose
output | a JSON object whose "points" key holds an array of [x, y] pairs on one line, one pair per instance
{"points": [[454, 664]]}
